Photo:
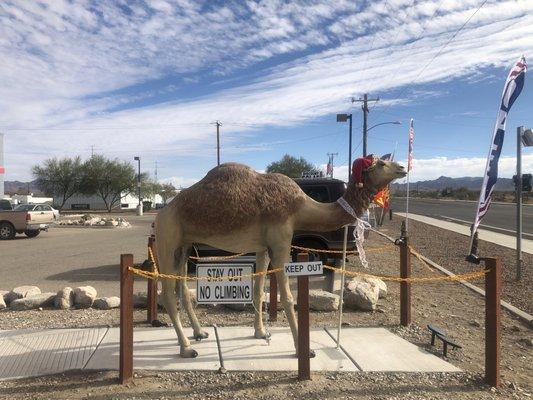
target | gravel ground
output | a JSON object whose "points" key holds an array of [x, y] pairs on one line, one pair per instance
{"points": [[448, 305], [449, 249]]}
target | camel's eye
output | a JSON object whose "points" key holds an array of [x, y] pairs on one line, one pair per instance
{"points": [[381, 162]]}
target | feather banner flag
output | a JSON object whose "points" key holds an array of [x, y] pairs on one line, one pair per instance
{"points": [[511, 91]]}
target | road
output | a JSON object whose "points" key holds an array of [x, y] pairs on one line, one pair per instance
{"points": [[74, 257], [500, 218]]}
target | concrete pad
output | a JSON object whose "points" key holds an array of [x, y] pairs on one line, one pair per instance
{"points": [[242, 352], [33, 353], [377, 349], [157, 349]]}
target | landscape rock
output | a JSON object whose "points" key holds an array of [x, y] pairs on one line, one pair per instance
{"points": [[382, 286], [360, 295], [21, 292], [33, 302], [107, 303], [111, 223], [2, 303], [64, 298], [320, 300], [84, 296]]}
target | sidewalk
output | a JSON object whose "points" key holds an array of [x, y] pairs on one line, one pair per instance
{"points": [[486, 235], [28, 353]]}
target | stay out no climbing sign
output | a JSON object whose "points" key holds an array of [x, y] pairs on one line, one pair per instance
{"points": [[224, 283]]}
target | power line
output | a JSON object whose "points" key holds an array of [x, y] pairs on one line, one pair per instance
{"points": [[439, 52]]}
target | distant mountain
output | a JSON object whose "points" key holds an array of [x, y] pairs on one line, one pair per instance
{"points": [[21, 187], [503, 184]]}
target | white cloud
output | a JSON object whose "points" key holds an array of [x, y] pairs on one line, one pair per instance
{"points": [[63, 62], [432, 168], [180, 181]]}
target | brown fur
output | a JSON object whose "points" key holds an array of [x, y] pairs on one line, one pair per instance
{"points": [[233, 195]]}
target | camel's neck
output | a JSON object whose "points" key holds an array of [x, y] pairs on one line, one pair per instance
{"points": [[359, 198], [326, 217]]}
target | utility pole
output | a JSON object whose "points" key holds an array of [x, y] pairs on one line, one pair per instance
{"points": [[365, 109], [155, 172], [330, 162], [519, 132], [218, 124]]}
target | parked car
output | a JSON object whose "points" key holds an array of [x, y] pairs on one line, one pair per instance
{"points": [[31, 223], [37, 207], [323, 190], [5, 205]]}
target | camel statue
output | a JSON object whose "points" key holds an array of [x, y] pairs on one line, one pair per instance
{"points": [[239, 210]]}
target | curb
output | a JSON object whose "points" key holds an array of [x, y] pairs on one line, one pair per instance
{"points": [[524, 316]]}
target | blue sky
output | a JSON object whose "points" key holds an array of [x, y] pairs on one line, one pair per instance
{"points": [[149, 78]]}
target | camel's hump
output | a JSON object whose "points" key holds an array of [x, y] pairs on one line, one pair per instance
{"points": [[233, 194]]}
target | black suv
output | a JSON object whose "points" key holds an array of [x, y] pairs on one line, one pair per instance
{"points": [[323, 190]]}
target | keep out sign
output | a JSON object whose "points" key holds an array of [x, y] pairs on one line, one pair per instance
{"points": [[303, 268], [224, 283]]}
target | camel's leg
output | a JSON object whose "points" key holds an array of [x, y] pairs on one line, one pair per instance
{"points": [[185, 294], [278, 259], [261, 266], [170, 302]]}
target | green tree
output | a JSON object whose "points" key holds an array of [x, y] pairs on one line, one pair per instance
{"points": [[167, 191], [60, 178], [291, 166], [149, 187], [111, 180]]}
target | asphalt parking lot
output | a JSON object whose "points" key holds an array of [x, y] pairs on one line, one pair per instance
{"points": [[74, 257]]}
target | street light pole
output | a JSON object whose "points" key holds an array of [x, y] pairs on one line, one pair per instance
{"points": [[139, 206], [344, 118]]}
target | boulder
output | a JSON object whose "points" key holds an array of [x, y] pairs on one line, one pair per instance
{"points": [[21, 292], [32, 302], [2, 301], [360, 295], [101, 223], [111, 223], [382, 286], [320, 300], [107, 303], [64, 298], [84, 296]]}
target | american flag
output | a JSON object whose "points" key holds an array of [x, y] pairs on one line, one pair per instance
{"points": [[513, 87], [411, 138]]}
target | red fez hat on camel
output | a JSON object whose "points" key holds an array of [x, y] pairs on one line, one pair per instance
{"points": [[359, 166]]}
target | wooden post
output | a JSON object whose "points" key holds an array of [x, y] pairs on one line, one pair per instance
{"points": [[126, 319], [304, 363], [151, 293], [273, 304], [492, 321], [405, 287]]}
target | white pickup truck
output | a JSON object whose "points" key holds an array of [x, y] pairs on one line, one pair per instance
{"points": [[31, 223]]}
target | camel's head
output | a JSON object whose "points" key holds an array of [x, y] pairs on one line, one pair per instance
{"points": [[373, 172]]}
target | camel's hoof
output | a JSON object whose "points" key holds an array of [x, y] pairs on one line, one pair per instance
{"points": [[262, 334], [187, 352], [201, 335]]}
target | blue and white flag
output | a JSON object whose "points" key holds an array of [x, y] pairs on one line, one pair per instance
{"points": [[513, 87]]}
